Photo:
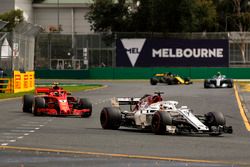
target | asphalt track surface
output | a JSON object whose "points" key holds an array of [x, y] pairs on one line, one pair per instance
{"points": [[26, 140]]}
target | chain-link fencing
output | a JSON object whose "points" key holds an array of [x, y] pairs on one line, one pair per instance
{"points": [[17, 47], [58, 51]]}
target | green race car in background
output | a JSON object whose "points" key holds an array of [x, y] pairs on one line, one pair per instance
{"points": [[169, 78]]}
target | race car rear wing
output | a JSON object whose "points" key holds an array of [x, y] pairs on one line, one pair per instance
{"points": [[124, 101]]}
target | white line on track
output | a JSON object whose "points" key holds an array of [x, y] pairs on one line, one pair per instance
{"points": [[21, 131], [26, 128], [30, 125]]}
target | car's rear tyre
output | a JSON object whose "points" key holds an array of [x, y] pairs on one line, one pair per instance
{"points": [[110, 118], [159, 121], [84, 103], [206, 84], [39, 103], [171, 81], [153, 81], [27, 103]]}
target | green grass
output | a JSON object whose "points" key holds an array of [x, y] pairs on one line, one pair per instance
{"points": [[73, 88]]}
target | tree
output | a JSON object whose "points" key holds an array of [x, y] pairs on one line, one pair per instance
{"points": [[105, 16], [153, 16], [234, 15], [237, 18], [198, 16], [14, 17]]}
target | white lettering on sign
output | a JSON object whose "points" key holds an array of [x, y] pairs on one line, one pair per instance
{"points": [[187, 53]]}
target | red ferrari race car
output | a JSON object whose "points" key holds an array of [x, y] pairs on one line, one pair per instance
{"points": [[56, 101]]}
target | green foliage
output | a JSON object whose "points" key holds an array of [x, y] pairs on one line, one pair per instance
{"points": [[105, 15], [13, 17], [233, 15], [169, 16]]}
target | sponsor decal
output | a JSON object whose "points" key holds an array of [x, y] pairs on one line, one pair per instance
{"points": [[187, 53], [133, 48], [172, 53]]}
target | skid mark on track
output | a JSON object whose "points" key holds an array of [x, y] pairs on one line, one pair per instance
{"points": [[21, 131]]}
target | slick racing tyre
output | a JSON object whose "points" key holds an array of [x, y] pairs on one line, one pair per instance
{"points": [[171, 81], [84, 103], [153, 81], [159, 121], [39, 103], [230, 83], [206, 84], [110, 118], [27, 103], [215, 119]]}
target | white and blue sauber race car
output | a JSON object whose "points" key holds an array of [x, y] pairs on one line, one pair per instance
{"points": [[151, 112], [218, 81]]}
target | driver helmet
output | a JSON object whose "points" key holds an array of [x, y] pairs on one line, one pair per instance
{"points": [[218, 73], [55, 85]]}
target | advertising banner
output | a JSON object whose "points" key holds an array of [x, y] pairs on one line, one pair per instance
{"points": [[23, 81], [172, 53]]}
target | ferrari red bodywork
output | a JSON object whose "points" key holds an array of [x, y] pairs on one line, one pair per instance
{"points": [[56, 101]]}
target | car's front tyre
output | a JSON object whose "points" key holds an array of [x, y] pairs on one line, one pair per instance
{"points": [[39, 103], [159, 121], [215, 119], [27, 103], [230, 83], [84, 103]]}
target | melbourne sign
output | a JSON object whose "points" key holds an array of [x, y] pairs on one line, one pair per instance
{"points": [[171, 53]]}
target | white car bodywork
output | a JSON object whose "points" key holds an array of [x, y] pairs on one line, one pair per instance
{"points": [[144, 112], [219, 81]]}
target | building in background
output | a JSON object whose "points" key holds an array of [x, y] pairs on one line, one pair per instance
{"points": [[66, 16]]}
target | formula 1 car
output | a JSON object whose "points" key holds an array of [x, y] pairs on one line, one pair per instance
{"points": [[55, 101], [151, 112], [218, 81], [169, 78]]}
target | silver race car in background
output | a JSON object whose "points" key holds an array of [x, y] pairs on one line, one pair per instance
{"points": [[218, 81], [151, 112]]}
